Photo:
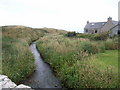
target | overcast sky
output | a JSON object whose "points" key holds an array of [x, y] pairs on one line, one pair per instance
{"points": [[61, 14]]}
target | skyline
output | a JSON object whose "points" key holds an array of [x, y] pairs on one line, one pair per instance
{"points": [[70, 15]]}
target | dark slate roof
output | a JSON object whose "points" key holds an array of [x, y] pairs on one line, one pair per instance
{"points": [[114, 27], [114, 22], [96, 25]]}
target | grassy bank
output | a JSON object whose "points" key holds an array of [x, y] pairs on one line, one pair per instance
{"points": [[17, 60], [78, 62]]}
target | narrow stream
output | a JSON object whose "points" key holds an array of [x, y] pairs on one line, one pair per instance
{"points": [[43, 76]]}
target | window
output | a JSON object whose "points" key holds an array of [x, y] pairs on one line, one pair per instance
{"points": [[118, 32], [93, 24], [96, 31], [86, 30], [103, 23]]}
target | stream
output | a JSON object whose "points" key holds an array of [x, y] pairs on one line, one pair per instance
{"points": [[43, 76]]}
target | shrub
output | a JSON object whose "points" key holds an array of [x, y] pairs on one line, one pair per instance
{"points": [[101, 48], [89, 47], [111, 45], [71, 34], [101, 36], [81, 35], [92, 47]]}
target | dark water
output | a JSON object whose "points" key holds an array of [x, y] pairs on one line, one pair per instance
{"points": [[43, 76]]}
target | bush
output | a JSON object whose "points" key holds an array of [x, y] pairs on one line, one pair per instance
{"points": [[101, 36], [101, 48], [71, 34], [92, 47], [89, 47], [111, 45], [81, 35]]}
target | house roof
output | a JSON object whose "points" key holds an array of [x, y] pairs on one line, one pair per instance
{"points": [[114, 27], [114, 22], [98, 25], [117, 23], [95, 25]]}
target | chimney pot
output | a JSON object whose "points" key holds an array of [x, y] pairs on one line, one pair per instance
{"points": [[87, 22], [110, 19]]}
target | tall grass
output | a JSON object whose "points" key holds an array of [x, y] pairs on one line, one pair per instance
{"points": [[74, 62], [17, 60], [111, 44]]}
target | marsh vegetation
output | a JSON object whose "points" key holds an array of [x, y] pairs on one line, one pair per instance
{"points": [[82, 61], [17, 60]]}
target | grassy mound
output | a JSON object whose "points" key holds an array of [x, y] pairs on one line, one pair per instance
{"points": [[76, 62], [17, 60]]}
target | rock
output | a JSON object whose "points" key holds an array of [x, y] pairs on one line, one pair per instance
{"points": [[9, 84], [56, 85], [22, 86], [2, 77], [5, 82], [6, 79]]}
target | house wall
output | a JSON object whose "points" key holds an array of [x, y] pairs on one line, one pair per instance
{"points": [[107, 26], [92, 31], [89, 31], [85, 30], [99, 30], [114, 31]]}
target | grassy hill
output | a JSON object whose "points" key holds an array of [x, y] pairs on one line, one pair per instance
{"points": [[51, 31]]}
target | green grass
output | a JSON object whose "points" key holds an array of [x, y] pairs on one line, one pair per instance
{"points": [[75, 67], [108, 59]]}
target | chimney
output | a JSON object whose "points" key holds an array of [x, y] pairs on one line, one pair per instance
{"points": [[110, 19], [87, 22]]}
